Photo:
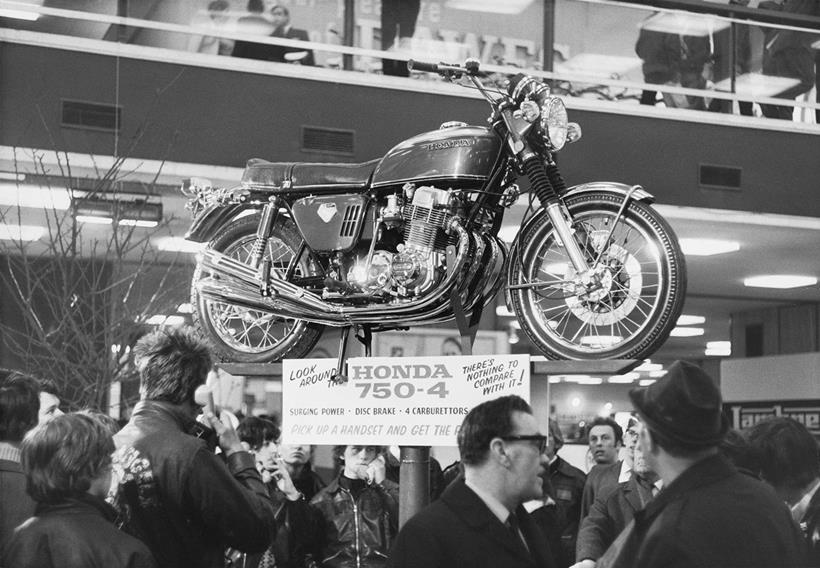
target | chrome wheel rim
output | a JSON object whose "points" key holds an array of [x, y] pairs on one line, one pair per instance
{"points": [[247, 330], [610, 305]]}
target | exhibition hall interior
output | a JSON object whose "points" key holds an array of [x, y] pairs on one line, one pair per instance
{"points": [[109, 109]]}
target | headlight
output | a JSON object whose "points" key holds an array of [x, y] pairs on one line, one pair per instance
{"points": [[554, 122], [536, 104]]}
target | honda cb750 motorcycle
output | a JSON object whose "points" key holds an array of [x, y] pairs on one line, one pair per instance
{"points": [[412, 239]]}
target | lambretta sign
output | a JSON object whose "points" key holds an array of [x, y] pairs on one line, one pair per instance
{"points": [[746, 414], [417, 401]]}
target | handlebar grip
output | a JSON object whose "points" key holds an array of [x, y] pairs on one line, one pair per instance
{"points": [[420, 66]]}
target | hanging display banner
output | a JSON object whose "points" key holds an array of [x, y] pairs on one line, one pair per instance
{"points": [[405, 401]]}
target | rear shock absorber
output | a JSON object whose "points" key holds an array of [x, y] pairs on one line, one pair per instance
{"points": [[263, 231]]}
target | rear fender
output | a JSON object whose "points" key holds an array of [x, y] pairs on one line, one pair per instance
{"points": [[636, 192], [211, 219]]}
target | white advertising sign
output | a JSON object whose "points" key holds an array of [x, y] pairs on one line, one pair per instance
{"points": [[406, 401]]}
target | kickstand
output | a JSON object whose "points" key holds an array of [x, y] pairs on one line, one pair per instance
{"points": [[366, 339], [339, 377], [467, 327]]}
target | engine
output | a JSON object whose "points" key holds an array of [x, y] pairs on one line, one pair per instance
{"points": [[418, 262]]}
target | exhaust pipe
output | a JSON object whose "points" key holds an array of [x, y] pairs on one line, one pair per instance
{"points": [[239, 283]]}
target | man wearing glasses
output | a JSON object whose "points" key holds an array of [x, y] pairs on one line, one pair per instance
{"points": [[479, 521]]}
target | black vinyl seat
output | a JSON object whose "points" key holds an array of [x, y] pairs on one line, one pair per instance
{"points": [[314, 177]]}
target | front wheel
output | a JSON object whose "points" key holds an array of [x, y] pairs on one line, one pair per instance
{"points": [[252, 336], [624, 307]]}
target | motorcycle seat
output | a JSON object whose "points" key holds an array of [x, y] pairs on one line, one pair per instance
{"points": [[313, 177]]}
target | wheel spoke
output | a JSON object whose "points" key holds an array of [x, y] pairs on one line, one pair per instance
{"points": [[625, 294]]}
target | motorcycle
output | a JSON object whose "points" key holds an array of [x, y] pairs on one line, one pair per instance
{"points": [[412, 239]]}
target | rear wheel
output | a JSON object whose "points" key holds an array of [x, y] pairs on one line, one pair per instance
{"points": [[246, 335], [625, 307]]}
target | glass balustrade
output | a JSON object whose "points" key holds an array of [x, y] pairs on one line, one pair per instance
{"points": [[740, 59]]}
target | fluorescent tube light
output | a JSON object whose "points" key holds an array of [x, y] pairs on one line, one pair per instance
{"points": [[138, 223], [686, 332], [94, 220], [707, 247], [19, 14], [27, 195], [718, 348], [491, 6], [780, 281], [178, 244], [21, 232], [504, 312]]}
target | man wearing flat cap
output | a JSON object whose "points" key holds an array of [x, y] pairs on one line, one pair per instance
{"points": [[708, 515]]}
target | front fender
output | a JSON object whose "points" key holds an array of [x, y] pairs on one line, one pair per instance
{"points": [[637, 193], [211, 219]]}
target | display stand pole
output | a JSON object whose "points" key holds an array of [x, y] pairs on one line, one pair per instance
{"points": [[414, 489]]}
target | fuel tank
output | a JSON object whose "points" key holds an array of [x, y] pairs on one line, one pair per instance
{"points": [[459, 153]]}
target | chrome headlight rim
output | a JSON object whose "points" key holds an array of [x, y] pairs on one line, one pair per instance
{"points": [[554, 123]]}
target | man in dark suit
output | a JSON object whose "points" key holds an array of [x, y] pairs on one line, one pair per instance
{"points": [[785, 455], [281, 21], [479, 521], [612, 512], [708, 514], [565, 484]]}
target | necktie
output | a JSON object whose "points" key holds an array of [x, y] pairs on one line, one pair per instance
{"points": [[515, 529]]}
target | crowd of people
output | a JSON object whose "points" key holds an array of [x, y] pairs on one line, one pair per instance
{"points": [[181, 485], [256, 24], [690, 60]]}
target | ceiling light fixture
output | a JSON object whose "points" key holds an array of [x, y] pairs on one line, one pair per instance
{"points": [[718, 348], [686, 332], [647, 366], [707, 247], [26, 195], [646, 382], [21, 232], [178, 244], [492, 6], [161, 319], [19, 14], [684, 319], [124, 209], [626, 378], [779, 281], [504, 312]]}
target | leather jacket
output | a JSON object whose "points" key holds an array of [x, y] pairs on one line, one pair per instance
{"points": [[352, 533], [184, 502]]}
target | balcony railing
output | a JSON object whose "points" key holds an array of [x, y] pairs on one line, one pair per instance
{"points": [[686, 54]]}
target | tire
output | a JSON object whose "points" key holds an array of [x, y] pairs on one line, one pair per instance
{"points": [[245, 335], [642, 276]]}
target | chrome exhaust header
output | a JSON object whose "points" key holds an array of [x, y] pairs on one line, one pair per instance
{"points": [[234, 282]]}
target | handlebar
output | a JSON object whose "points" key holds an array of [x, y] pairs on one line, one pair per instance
{"points": [[470, 67]]}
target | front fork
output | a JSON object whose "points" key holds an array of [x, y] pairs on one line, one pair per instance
{"points": [[547, 184]]}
